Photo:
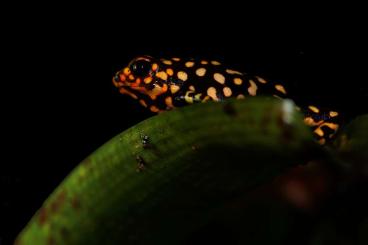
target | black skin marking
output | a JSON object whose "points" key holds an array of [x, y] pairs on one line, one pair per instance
{"points": [[179, 100], [328, 131], [141, 163], [159, 82], [220, 96], [150, 86], [174, 81]]}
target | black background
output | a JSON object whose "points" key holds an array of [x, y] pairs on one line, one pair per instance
{"points": [[59, 104]]}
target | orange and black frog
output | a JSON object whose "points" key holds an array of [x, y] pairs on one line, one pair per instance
{"points": [[161, 84]]}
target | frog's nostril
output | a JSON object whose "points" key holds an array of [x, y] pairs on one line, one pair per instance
{"points": [[117, 77]]}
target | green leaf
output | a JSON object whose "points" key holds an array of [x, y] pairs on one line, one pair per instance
{"points": [[156, 182]]}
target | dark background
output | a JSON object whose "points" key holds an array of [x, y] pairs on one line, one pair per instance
{"points": [[59, 104]]}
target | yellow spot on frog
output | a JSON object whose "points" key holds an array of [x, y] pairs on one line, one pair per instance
{"points": [[189, 64], [240, 96], [168, 102], [175, 59], [261, 80], [143, 103], [318, 131], [310, 121], [124, 91], [197, 97], [215, 63], [167, 62], [280, 88], [174, 88], [126, 71], [204, 62], [156, 91], [313, 108], [154, 67], [332, 126], [211, 92], [233, 72], [188, 98], [333, 114], [182, 75], [147, 80], [219, 78], [206, 98], [154, 108], [162, 75], [227, 91], [201, 72], [252, 89], [170, 71], [238, 81], [191, 87]]}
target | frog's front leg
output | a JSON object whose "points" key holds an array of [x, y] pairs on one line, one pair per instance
{"points": [[190, 97]]}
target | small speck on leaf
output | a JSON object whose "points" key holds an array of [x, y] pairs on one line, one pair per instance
{"points": [[141, 163]]}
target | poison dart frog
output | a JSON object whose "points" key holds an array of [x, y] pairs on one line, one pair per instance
{"points": [[162, 84]]}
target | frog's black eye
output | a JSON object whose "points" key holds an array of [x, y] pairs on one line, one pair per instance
{"points": [[140, 68]]}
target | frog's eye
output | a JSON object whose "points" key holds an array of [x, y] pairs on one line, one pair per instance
{"points": [[140, 68]]}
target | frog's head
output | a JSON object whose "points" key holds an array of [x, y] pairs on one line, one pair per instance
{"points": [[141, 77]]}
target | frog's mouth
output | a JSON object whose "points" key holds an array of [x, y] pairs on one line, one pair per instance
{"points": [[125, 88], [138, 86]]}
